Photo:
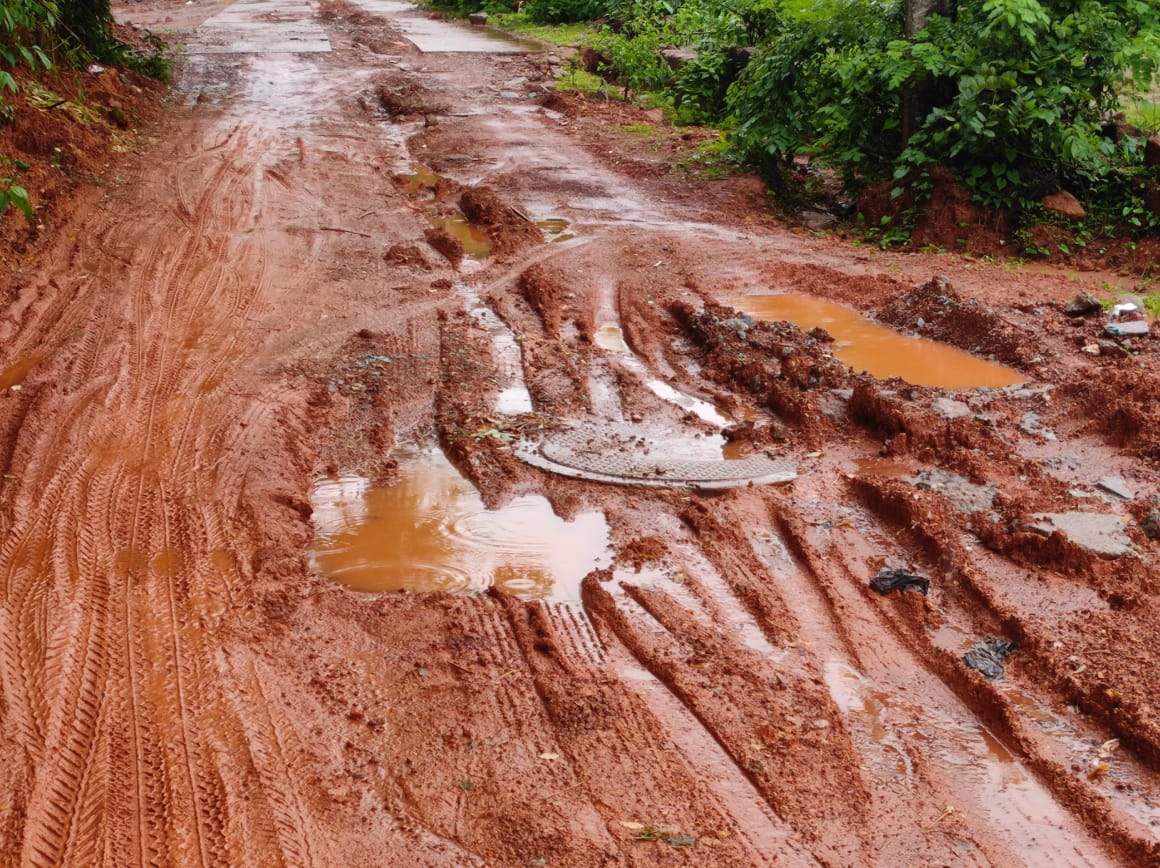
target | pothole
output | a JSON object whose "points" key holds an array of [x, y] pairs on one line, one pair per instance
{"points": [[474, 240], [430, 531], [622, 454], [864, 345]]}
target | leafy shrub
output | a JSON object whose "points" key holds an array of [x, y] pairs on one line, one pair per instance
{"points": [[1021, 89], [563, 11]]}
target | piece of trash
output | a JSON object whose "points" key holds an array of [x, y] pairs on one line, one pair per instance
{"points": [[629, 824], [813, 455], [988, 655], [1091, 349], [15, 388], [96, 68], [894, 579], [1119, 310], [550, 757], [1108, 748]]}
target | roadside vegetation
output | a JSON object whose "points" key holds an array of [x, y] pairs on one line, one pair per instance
{"points": [[40, 36], [1015, 100]]}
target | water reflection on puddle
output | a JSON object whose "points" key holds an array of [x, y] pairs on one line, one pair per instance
{"points": [[475, 242], [430, 531], [867, 346]]}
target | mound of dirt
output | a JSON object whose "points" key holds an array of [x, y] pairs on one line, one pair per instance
{"points": [[509, 229]]}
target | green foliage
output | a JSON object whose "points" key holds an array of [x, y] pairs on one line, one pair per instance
{"points": [[570, 34], [1020, 90], [563, 11]]}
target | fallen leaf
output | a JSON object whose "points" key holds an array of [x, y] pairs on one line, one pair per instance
{"points": [[549, 756], [629, 824], [813, 455]]}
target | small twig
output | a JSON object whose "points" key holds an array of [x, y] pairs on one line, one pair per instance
{"points": [[348, 231]]}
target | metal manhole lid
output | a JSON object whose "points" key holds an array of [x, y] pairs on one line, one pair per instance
{"points": [[623, 455]]}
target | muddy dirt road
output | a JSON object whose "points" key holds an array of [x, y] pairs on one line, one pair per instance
{"points": [[234, 376]]}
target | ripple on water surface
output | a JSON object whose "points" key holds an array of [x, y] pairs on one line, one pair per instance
{"points": [[430, 531]]}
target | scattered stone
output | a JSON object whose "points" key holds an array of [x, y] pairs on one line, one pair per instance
{"points": [[477, 18], [1115, 485], [949, 408], [1090, 349], [988, 655], [1151, 524], [895, 579], [1109, 348], [1031, 424], [1083, 304], [678, 57], [1152, 152], [964, 495], [1097, 532], [1064, 204], [1136, 328]]}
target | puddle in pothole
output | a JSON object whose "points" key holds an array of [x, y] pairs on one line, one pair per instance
{"points": [[422, 178], [475, 242], [868, 346], [555, 229], [15, 373], [430, 531]]}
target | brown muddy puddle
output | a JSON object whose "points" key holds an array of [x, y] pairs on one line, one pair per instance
{"points": [[868, 346], [475, 242], [12, 376], [555, 229], [430, 531]]}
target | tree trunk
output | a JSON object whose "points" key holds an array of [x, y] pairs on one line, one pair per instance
{"points": [[918, 96]]}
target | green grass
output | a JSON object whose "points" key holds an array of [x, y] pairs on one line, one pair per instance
{"points": [[644, 131], [557, 34], [1144, 112], [1152, 304], [586, 83]]}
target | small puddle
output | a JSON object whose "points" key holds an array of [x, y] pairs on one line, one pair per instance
{"points": [[868, 346], [430, 531], [608, 336], [422, 179], [514, 397], [475, 242], [555, 229], [15, 373]]}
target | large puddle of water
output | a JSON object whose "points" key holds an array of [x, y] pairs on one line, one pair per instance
{"points": [[868, 346], [430, 531]]}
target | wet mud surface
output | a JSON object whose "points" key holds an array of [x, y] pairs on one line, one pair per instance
{"points": [[232, 363]]}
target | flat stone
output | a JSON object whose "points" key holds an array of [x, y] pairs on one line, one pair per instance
{"points": [[1135, 328], [1097, 532], [964, 495], [1115, 485], [1030, 424], [949, 408]]}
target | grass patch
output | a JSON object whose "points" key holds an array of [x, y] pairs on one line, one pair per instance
{"points": [[558, 34], [1152, 304], [711, 161], [644, 131], [1144, 112], [586, 83]]}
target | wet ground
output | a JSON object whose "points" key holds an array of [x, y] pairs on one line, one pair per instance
{"points": [[360, 443]]}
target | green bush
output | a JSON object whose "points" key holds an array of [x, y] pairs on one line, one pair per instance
{"points": [[563, 11], [1021, 89]]}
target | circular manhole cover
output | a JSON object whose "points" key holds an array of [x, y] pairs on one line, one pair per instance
{"points": [[625, 455]]}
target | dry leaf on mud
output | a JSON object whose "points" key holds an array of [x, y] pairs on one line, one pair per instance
{"points": [[549, 756], [629, 824]]}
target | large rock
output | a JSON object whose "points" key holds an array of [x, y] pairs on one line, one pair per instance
{"points": [[478, 18], [1064, 204], [1152, 152], [678, 57]]}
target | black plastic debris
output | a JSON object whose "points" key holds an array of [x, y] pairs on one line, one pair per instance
{"points": [[894, 579], [988, 655]]}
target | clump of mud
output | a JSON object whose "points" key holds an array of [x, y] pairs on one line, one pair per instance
{"points": [[783, 367], [509, 229], [936, 311], [446, 243], [543, 292], [404, 97], [1125, 404], [410, 255]]}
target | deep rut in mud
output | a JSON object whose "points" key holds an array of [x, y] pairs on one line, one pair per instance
{"points": [[276, 298]]}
